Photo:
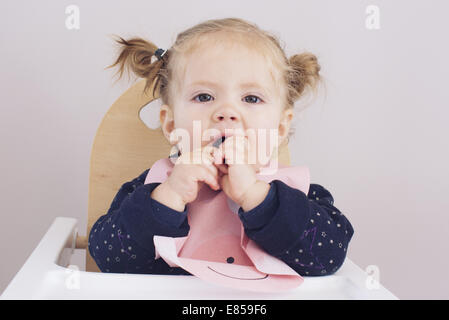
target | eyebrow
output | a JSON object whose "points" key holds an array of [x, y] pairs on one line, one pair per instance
{"points": [[242, 85]]}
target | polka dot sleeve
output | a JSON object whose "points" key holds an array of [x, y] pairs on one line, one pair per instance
{"points": [[307, 232], [121, 241]]}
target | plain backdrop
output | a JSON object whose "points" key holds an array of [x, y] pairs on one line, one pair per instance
{"points": [[375, 137]]}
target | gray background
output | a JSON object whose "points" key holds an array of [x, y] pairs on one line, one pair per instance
{"points": [[376, 137]]}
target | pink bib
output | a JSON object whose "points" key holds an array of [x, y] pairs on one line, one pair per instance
{"points": [[217, 249]]}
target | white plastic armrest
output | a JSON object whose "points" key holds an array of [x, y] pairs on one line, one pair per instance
{"points": [[52, 252]]}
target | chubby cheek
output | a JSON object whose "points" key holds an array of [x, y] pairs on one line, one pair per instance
{"points": [[189, 130], [262, 139], [261, 147]]}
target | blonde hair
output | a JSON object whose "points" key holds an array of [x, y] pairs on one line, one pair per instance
{"points": [[298, 74]]}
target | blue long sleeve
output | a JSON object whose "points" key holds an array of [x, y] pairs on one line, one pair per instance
{"points": [[121, 241], [306, 232]]}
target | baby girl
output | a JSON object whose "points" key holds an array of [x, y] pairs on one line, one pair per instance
{"points": [[205, 82]]}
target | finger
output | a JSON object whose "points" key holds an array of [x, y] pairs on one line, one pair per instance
{"points": [[223, 168], [207, 148], [199, 156], [240, 143], [208, 153], [218, 156], [227, 150], [197, 159], [224, 181], [236, 150], [219, 161], [208, 160], [207, 177], [230, 151], [211, 168]]}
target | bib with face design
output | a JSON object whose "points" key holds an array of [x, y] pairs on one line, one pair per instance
{"points": [[217, 249]]}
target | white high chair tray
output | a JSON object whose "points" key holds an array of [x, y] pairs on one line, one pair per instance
{"points": [[45, 275]]}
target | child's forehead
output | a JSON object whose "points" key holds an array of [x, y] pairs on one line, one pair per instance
{"points": [[236, 63]]}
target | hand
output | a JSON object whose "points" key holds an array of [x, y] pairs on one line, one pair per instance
{"points": [[237, 177], [191, 171]]}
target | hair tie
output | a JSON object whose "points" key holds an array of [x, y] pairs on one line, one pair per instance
{"points": [[160, 53]]}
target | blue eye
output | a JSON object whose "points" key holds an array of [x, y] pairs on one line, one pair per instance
{"points": [[201, 95], [253, 97]]}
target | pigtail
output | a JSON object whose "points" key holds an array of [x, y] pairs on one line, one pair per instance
{"points": [[137, 55], [303, 74]]}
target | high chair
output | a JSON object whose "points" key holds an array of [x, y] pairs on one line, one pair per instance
{"points": [[123, 148]]}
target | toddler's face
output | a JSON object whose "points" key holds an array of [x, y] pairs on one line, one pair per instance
{"points": [[227, 89]]}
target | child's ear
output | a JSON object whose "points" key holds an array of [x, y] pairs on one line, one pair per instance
{"points": [[167, 120], [284, 124]]}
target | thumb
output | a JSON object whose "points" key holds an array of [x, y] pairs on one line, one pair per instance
{"points": [[224, 182]]}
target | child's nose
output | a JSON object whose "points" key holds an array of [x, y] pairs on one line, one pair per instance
{"points": [[226, 115]]}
